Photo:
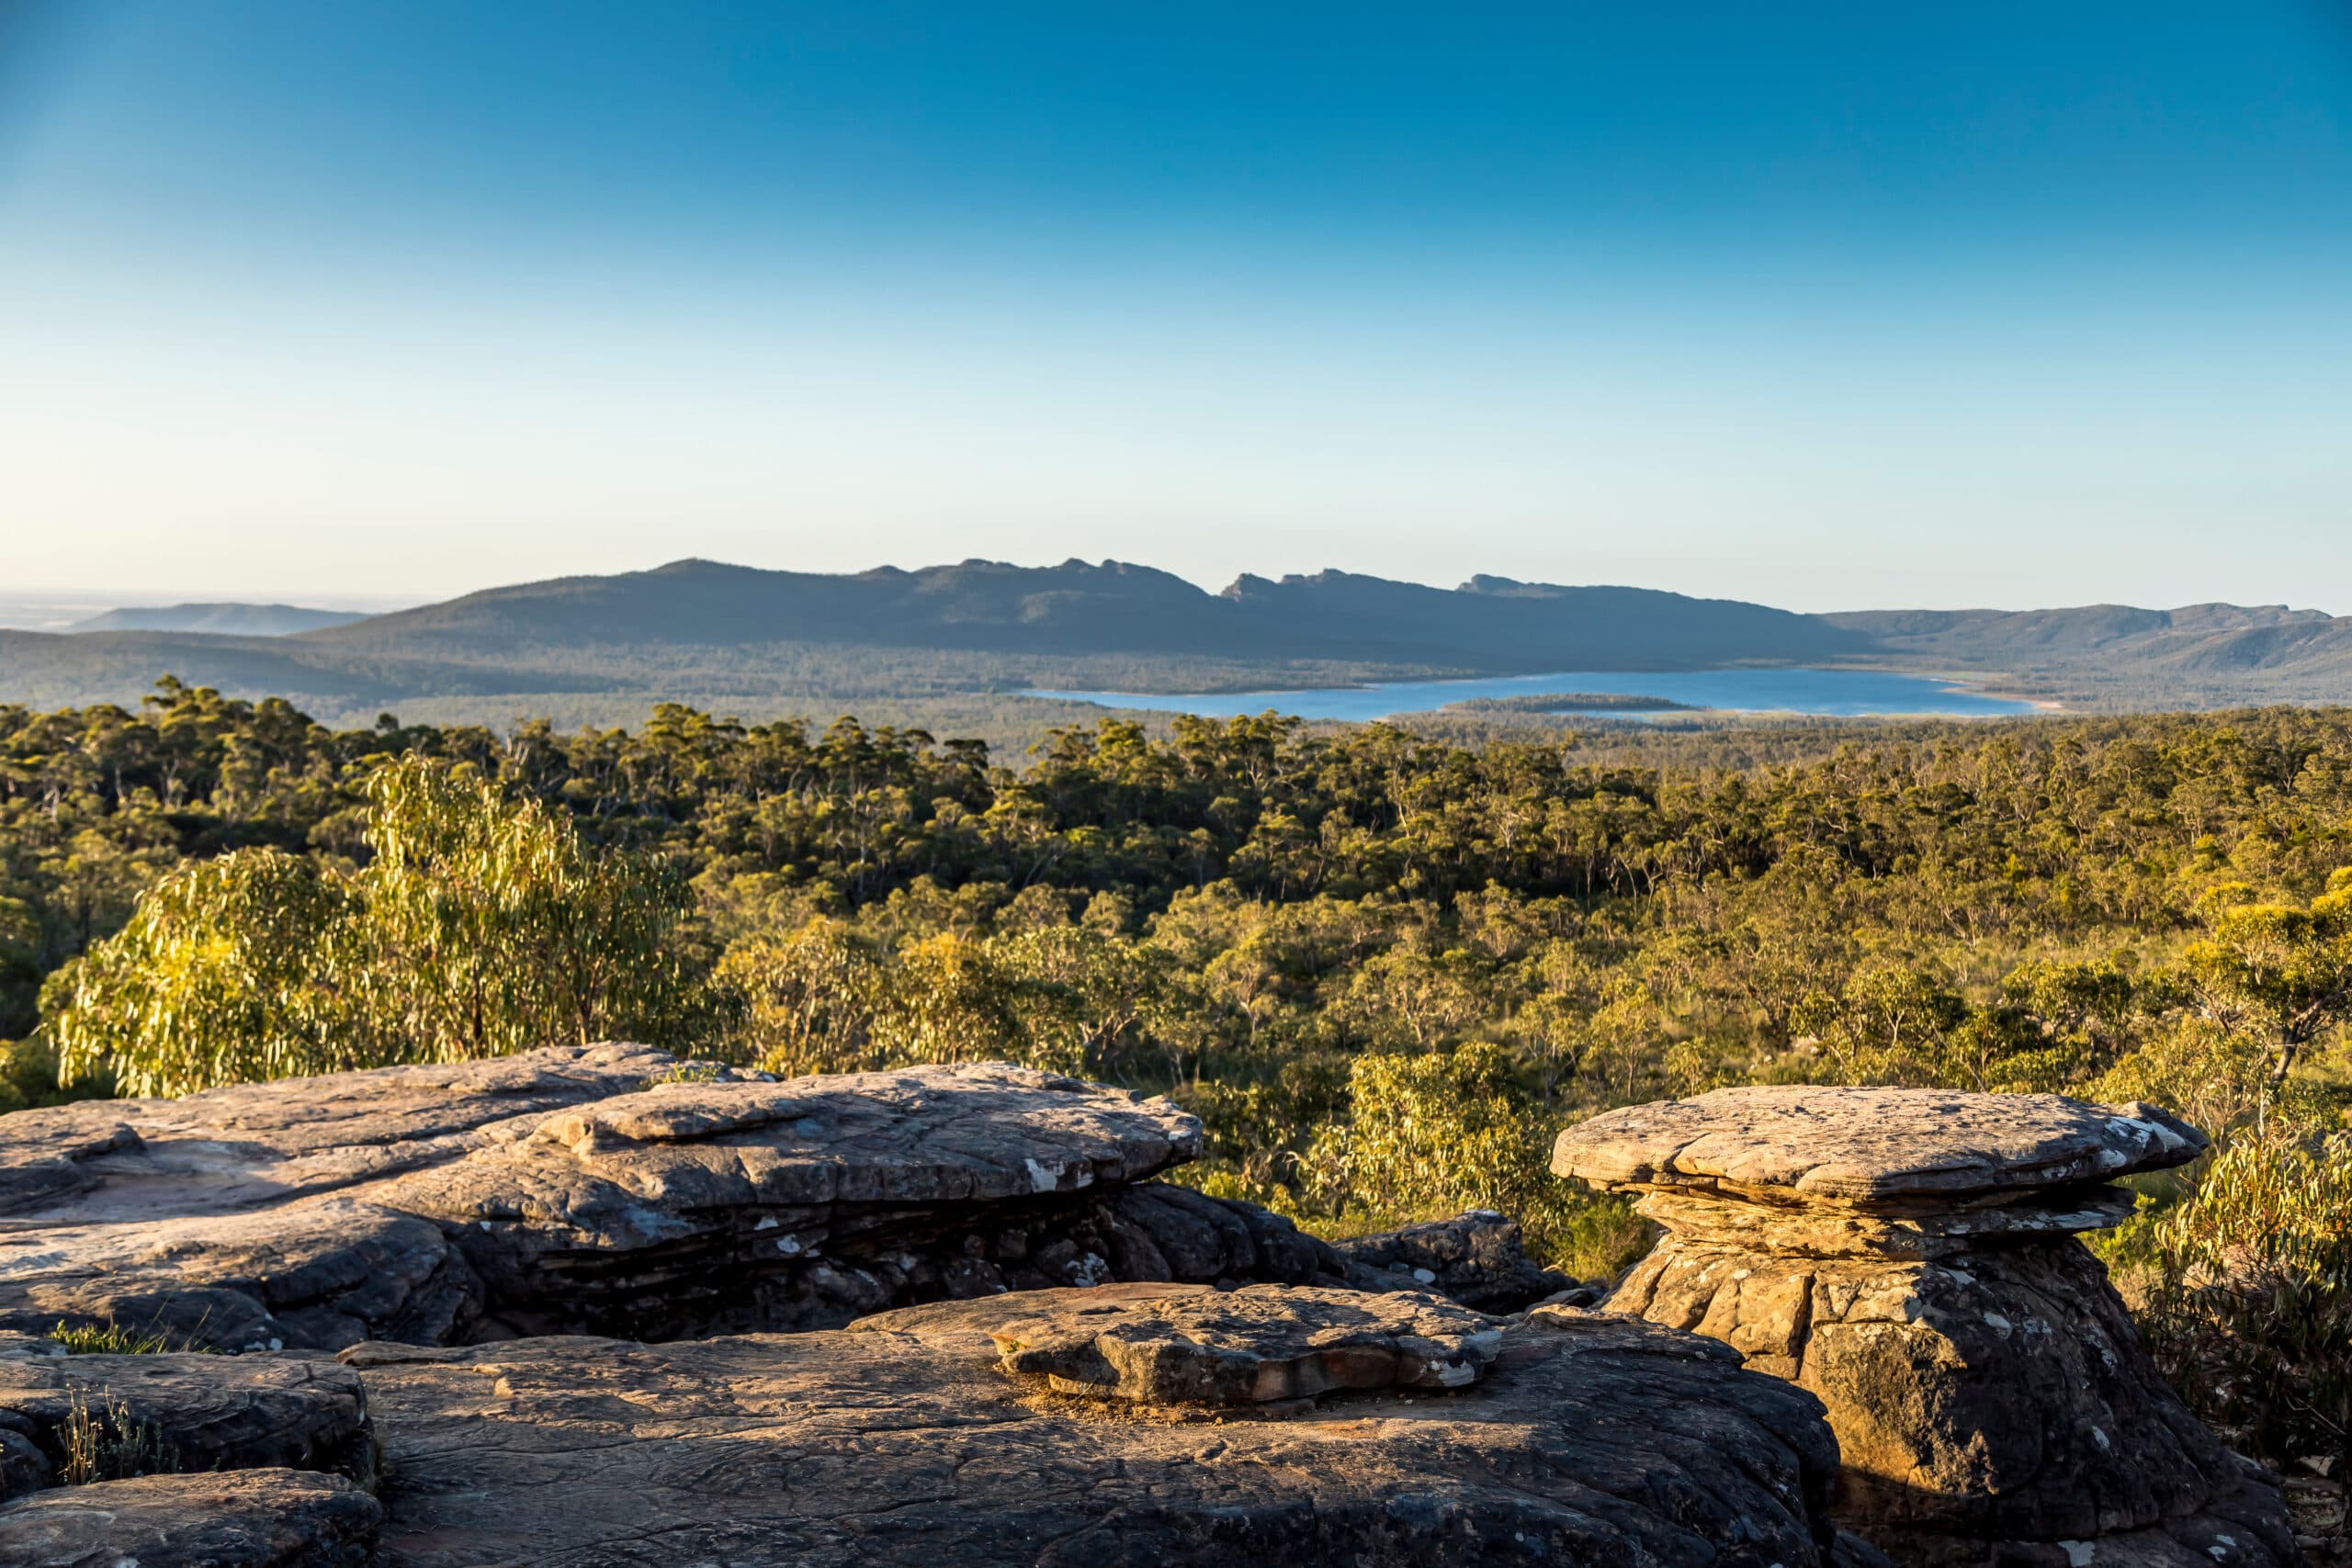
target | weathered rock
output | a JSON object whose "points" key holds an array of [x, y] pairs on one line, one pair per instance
{"points": [[1474, 1257], [1591, 1439], [1908, 1256], [183, 1411], [248, 1518], [574, 1188], [1814, 1144], [1197, 1345], [259, 1145]]}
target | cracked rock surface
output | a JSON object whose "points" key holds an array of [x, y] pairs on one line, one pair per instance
{"points": [[1589, 1439], [1910, 1257], [1814, 1144]]}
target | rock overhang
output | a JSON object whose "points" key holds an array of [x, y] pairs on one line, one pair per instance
{"points": [[1871, 1148]]}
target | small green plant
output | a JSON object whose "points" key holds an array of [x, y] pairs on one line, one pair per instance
{"points": [[105, 1441], [688, 1072], [109, 1339]]}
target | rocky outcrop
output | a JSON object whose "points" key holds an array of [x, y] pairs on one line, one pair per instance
{"points": [[69, 1418], [600, 1189], [1908, 1257], [1135, 1423], [936, 1434]]}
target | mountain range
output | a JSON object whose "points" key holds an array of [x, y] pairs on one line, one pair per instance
{"points": [[755, 641], [227, 620]]}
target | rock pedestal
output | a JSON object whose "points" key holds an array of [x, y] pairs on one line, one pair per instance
{"points": [[1910, 1257]]}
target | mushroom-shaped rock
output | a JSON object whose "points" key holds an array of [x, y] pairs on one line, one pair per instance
{"points": [[1196, 1345], [1885, 1148], [1591, 1439], [1908, 1256]]}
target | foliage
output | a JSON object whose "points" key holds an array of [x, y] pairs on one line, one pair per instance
{"points": [[2251, 1306], [480, 926], [109, 1339], [107, 1441], [1451, 1131]]}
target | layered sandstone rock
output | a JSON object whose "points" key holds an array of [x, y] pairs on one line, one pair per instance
{"points": [[1908, 1256], [1140, 1423], [937, 1434], [604, 1189], [246, 1519], [599, 1188], [108, 1413]]}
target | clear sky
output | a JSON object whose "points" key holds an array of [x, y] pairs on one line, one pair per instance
{"points": [[1833, 306]]}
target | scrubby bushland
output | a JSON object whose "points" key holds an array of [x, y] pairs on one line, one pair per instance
{"points": [[1383, 968], [479, 926]]}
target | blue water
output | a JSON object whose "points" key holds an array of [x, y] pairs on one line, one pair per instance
{"points": [[1830, 692]]}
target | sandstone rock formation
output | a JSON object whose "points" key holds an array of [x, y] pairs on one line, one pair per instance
{"points": [[1908, 1256], [587, 1189], [602, 1190], [1588, 1440], [109, 1413]]}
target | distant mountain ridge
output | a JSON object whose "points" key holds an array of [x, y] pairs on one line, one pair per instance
{"points": [[2195, 639], [224, 619], [1078, 608], [978, 632]]}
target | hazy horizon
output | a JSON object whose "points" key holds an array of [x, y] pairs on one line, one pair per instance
{"points": [[1850, 308]]}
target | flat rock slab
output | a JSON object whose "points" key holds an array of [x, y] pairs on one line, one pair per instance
{"points": [[252, 1518], [1868, 1147], [1591, 1439], [193, 1413], [1201, 1346], [634, 1168], [257, 1145]]}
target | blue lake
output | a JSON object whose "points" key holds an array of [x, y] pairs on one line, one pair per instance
{"points": [[1830, 692]]}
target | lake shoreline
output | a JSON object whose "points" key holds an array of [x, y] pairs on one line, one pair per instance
{"points": [[1737, 692]]}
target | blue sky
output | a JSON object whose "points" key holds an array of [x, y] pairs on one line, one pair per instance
{"points": [[1830, 306]]}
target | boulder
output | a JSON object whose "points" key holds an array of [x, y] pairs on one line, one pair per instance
{"points": [[1910, 1257], [929, 1435]]}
